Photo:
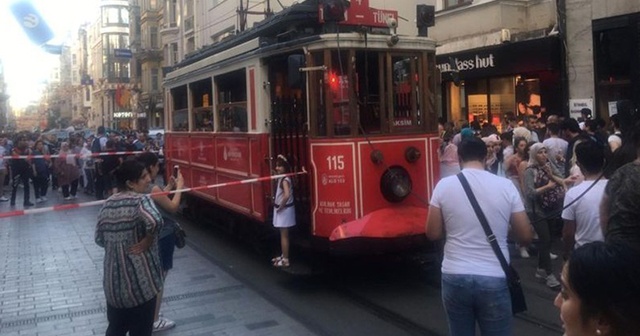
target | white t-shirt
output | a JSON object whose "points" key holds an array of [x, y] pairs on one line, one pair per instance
{"points": [[466, 249], [586, 211], [2, 166]]}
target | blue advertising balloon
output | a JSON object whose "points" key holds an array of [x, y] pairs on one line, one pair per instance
{"points": [[32, 22]]}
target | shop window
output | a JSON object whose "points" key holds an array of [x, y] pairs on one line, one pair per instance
{"points": [[528, 95], [180, 115], [201, 92], [231, 106]]}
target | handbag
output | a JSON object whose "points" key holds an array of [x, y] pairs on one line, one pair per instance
{"points": [[180, 236], [518, 301]]}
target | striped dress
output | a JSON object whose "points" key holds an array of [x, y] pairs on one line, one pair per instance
{"points": [[129, 279]]}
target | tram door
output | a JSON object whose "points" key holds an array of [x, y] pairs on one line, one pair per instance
{"points": [[289, 135]]}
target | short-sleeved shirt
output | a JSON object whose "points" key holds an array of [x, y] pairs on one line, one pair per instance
{"points": [[623, 191], [169, 226], [585, 212], [129, 279], [467, 250]]}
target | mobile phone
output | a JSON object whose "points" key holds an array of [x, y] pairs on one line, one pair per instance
{"points": [[175, 171]]}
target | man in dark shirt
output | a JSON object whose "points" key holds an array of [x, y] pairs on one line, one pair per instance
{"points": [[620, 209]]}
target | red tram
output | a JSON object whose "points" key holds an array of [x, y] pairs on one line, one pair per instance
{"points": [[353, 104]]}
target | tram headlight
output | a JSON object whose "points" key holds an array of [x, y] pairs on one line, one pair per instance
{"points": [[396, 184]]}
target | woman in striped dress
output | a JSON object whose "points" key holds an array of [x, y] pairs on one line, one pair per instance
{"points": [[132, 268]]}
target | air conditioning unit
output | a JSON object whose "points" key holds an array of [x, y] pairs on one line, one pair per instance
{"points": [[505, 35]]}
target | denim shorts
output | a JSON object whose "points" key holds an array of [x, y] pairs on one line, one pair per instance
{"points": [[470, 298], [166, 246]]}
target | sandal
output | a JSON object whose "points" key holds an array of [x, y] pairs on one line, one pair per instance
{"points": [[276, 259], [282, 262]]}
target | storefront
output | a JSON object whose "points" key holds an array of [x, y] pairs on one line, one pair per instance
{"points": [[519, 78], [616, 42]]}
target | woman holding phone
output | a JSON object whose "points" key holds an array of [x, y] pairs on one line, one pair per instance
{"points": [[167, 206]]}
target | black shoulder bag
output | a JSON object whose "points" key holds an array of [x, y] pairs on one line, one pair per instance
{"points": [[518, 302]]}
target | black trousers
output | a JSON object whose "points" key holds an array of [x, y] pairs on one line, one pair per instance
{"points": [[20, 177], [40, 185], [138, 321], [74, 188]]}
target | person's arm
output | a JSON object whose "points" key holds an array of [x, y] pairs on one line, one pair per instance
{"points": [[568, 237], [435, 223], [171, 205], [286, 194], [604, 213], [521, 227]]}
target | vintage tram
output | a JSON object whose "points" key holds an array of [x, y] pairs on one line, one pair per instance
{"points": [[354, 104]]}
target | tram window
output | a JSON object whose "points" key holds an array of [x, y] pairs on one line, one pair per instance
{"points": [[338, 83], [202, 105], [231, 108], [368, 93], [405, 96], [180, 114]]}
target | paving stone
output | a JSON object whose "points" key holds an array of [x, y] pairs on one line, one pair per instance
{"points": [[51, 284]]}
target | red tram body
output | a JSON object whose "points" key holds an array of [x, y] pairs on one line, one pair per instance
{"points": [[355, 108]]}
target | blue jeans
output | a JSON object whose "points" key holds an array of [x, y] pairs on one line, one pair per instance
{"points": [[471, 298]]}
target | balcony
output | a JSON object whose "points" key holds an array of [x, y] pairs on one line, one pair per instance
{"points": [[480, 23], [169, 29], [149, 54]]}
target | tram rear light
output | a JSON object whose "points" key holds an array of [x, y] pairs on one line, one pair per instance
{"points": [[412, 154]]}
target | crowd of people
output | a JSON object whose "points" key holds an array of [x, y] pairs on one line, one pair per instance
{"points": [[74, 166], [543, 178]]}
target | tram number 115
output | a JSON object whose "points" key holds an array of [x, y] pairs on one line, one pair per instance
{"points": [[336, 162]]}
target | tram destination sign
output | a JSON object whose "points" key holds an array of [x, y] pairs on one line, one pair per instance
{"points": [[360, 14]]}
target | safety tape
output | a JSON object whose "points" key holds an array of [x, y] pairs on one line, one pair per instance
{"points": [[16, 213], [78, 155]]}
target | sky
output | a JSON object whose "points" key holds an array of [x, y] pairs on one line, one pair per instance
{"points": [[26, 66]]}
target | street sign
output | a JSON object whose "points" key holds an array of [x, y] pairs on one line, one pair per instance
{"points": [[122, 53]]}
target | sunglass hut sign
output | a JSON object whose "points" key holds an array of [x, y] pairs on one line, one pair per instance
{"points": [[476, 62]]}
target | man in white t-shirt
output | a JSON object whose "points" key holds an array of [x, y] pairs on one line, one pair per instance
{"points": [[474, 286], [582, 218], [556, 146]]}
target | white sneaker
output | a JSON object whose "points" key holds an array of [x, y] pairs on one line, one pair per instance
{"points": [[552, 282], [553, 256], [39, 200], [523, 252], [540, 273], [4, 199], [68, 198], [44, 198], [163, 324]]}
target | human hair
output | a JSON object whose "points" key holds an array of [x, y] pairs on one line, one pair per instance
{"points": [[590, 156], [507, 136], [571, 125], [101, 130], [148, 159], [606, 278], [615, 121], [130, 170], [281, 161], [553, 128], [472, 149]]}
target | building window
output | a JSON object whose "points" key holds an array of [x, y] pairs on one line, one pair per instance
{"points": [[174, 53], [153, 36], [115, 16], [154, 79], [456, 3]]}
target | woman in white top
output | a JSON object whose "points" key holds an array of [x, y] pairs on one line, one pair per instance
{"points": [[284, 212]]}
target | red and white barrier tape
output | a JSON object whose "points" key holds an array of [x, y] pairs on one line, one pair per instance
{"points": [[16, 213], [78, 155]]}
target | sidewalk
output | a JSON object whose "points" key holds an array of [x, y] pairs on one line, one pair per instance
{"points": [[51, 283]]}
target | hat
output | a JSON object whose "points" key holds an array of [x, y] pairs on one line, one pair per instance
{"points": [[466, 133]]}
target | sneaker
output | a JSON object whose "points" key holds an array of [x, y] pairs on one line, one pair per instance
{"points": [[524, 254], [39, 200], [4, 199], [553, 256], [163, 324], [74, 196], [552, 282], [44, 198], [68, 198], [540, 273], [28, 204]]}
